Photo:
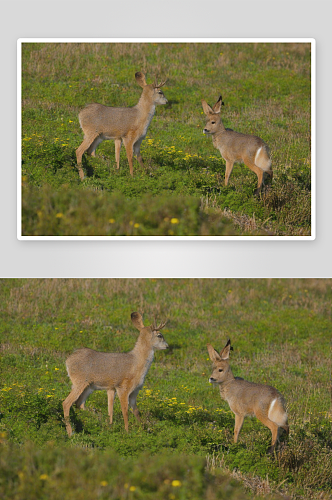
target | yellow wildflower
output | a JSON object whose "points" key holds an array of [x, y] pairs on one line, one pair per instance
{"points": [[176, 483]]}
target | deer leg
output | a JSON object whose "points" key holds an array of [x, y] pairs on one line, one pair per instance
{"points": [[273, 428], [87, 142], [123, 397], [70, 399], [286, 428], [84, 146], [137, 152], [129, 150], [238, 426], [80, 402], [258, 171], [118, 144], [229, 168], [132, 403], [91, 151], [111, 396]]}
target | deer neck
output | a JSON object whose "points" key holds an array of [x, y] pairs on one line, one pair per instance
{"points": [[225, 385], [218, 134], [146, 107], [143, 352], [144, 355]]}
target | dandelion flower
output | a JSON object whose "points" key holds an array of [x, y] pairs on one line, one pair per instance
{"points": [[176, 483]]}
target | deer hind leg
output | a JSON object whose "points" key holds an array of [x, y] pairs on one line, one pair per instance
{"points": [[274, 428], [68, 402], [286, 428], [258, 171], [87, 142], [229, 168], [91, 151], [110, 396], [238, 426], [132, 403], [80, 402], [118, 144]]}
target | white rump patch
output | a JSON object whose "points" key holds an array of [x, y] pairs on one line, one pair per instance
{"points": [[257, 154], [271, 408]]}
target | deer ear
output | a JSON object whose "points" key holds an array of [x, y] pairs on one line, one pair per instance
{"points": [[137, 320], [226, 350], [140, 79], [217, 106], [214, 356], [206, 108]]}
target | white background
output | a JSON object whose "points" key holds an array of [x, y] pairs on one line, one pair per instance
{"points": [[178, 19]]}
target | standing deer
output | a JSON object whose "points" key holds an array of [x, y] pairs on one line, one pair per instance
{"points": [[237, 147], [127, 125], [247, 398], [124, 373]]}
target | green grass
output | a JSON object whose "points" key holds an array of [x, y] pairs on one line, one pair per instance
{"points": [[266, 90], [281, 333]]}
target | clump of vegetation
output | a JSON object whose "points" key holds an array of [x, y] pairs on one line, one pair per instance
{"points": [[67, 213], [266, 89]]}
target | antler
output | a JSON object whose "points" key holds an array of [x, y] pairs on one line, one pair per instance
{"points": [[156, 85], [160, 327]]}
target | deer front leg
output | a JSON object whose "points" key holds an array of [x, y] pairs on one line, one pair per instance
{"points": [[238, 426], [118, 144], [129, 150], [132, 403], [123, 397], [110, 396], [137, 152], [229, 168]]}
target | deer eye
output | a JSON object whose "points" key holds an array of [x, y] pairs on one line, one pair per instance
{"points": [[220, 369], [160, 335], [213, 123]]}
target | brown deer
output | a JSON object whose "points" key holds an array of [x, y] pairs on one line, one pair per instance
{"points": [[123, 373], [127, 125], [237, 147], [247, 398]]}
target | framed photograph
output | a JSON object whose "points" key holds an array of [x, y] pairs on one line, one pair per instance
{"points": [[166, 139]]}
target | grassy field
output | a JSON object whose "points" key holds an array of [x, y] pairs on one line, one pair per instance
{"points": [[281, 333], [266, 88]]}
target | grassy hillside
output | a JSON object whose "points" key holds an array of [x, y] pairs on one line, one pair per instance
{"points": [[281, 334], [266, 89]]}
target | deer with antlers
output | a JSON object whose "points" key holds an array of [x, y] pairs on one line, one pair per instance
{"points": [[121, 373], [127, 125]]}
